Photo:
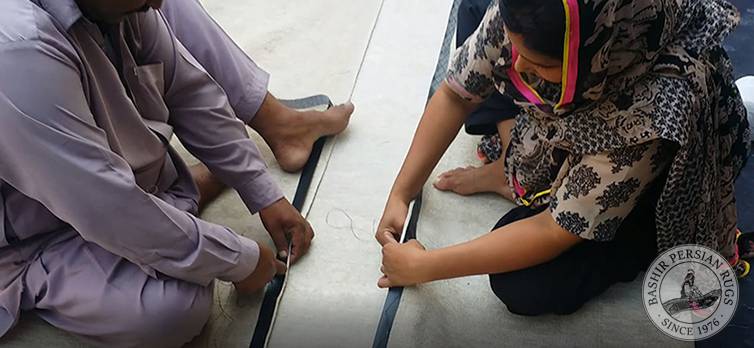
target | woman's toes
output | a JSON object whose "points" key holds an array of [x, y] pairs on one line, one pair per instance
{"points": [[442, 184], [472, 180]]}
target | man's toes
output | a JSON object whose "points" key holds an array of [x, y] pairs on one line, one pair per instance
{"points": [[345, 109], [336, 118]]}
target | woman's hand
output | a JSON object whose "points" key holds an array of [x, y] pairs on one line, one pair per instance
{"points": [[393, 218], [402, 264], [267, 267]]}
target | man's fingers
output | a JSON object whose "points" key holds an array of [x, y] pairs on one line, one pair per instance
{"points": [[281, 243], [300, 243], [384, 282], [309, 232], [296, 244], [280, 267]]}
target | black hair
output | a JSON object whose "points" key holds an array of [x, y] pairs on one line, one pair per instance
{"points": [[541, 23]]}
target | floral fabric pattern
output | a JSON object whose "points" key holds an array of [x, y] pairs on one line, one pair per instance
{"points": [[588, 187]]}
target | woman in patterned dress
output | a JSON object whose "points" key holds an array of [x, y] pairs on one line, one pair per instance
{"points": [[629, 140]]}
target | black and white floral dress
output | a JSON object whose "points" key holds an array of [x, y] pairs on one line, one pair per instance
{"points": [[647, 94]]}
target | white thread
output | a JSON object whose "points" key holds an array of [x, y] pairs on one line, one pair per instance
{"points": [[349, 226], [407, 221]]}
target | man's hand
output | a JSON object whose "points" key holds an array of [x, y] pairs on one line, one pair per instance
{"points": [[402, 264], [392, 220], [285, 223], [267, 267]]}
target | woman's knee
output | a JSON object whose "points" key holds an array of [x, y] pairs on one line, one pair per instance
{"points": [[516, 296], [531, 293]]}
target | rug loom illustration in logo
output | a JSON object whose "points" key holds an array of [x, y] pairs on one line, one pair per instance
{"points": [[690, 292]]}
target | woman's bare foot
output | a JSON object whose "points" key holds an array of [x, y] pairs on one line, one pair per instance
{"points": [[209, 187], [291, 133], [470, 180]]}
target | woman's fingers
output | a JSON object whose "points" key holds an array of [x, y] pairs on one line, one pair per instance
{"points": [[384, 282], [417, 244], [393, 219], [387, 260], [386, 236], [402, 263]]}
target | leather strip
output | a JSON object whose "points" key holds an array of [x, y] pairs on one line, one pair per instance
{"points": [[273, 290], [393, 300]]}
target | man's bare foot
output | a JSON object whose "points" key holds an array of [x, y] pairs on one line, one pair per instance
{"points": [[470, 180], [291, 133], [292, 145], [209, 187]]}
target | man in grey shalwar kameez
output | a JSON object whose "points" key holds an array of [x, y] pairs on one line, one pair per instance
{"points": [[98, 231]]}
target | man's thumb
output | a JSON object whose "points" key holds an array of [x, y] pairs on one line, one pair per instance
{"points": [[281, 267], [281, 244]]}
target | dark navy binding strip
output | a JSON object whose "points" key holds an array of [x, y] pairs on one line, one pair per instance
{"points": [[275, 287], [308, 102], [393, 300], [307, 175]]}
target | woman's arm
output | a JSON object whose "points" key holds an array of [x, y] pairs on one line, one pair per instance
{"points": [[470, 80], [621, 176], [439, 125], [522, 244]]}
